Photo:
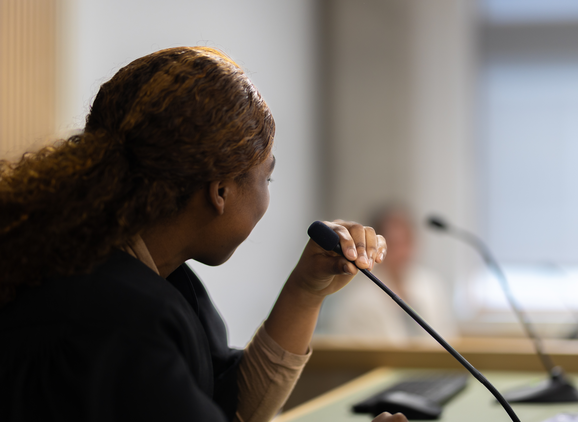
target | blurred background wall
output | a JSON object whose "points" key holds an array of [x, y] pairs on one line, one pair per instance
{"points": [[375, 101], [398, 115]]}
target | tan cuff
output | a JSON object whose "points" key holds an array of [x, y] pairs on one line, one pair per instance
{"points": [[279, 355]]}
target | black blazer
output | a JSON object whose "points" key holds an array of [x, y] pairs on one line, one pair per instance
{"points": [[118, 344]]}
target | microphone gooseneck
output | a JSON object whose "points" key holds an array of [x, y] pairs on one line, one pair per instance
{"points": [[558, 389], [329, 240], [477, 244]]}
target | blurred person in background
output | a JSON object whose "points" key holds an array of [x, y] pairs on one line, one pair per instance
{"points": [[361, 309]]}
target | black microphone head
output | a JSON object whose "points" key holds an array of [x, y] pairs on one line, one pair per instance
{"points": [[323, 235], [437, 223]]}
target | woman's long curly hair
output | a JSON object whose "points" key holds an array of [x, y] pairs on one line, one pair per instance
{"points": [[162, 127]]}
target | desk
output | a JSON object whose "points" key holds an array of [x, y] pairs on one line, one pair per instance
{"points": [[474, 404], [336, 360], [517, 354]]}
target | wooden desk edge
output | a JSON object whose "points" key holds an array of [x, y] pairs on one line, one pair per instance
{"points": [[334, 395], [509, 354]]}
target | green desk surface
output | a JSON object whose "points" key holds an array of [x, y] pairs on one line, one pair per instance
{"points": [[474, 404]]}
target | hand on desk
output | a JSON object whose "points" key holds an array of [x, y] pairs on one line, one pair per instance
{"points": [[388, 417]]}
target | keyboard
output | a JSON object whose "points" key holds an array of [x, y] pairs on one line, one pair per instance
{"points": [[417, 398]]}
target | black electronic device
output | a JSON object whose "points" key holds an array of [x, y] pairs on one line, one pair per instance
{"points": [[417, 398], [329, 240], [557, 388]]}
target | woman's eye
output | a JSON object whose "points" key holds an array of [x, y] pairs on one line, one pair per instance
{"points": [[269, 179]]}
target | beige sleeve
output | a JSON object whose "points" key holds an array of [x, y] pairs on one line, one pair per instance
{"points": [[267, 375]]}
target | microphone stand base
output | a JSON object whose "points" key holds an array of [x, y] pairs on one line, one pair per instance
{"points": [[557, 389]]}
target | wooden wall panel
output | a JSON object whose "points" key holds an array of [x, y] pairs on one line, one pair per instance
{"points": [[27, 74]]}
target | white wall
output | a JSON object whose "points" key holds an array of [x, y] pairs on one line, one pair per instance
{"points": [[272, 40], [442, 131], [400, 112]]}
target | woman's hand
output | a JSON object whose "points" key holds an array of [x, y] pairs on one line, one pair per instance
{"points": [[317, 274], [323, 272], [388, 417]]}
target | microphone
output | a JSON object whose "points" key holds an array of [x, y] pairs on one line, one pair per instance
{"points": [[557, 389], [329, 240]]}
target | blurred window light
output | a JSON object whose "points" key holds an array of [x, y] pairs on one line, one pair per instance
{"points": [[517, 11], [528, 154], [545, 293], [541, 288], [531, 161]]}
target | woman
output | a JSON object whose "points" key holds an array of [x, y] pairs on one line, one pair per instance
{"points": [[101, 318]]}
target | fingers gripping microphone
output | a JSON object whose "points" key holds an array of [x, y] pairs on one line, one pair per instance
{"points": [[557, 389], [324, 237], [329, 240]]}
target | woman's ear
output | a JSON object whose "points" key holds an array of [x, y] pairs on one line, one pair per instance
{"points": [[218, 195]]}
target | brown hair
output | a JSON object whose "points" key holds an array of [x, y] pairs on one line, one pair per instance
{"points": [[162, 127]]}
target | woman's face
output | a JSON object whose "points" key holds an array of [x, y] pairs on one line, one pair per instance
{"points": [[253, 201], [244, 209]]}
